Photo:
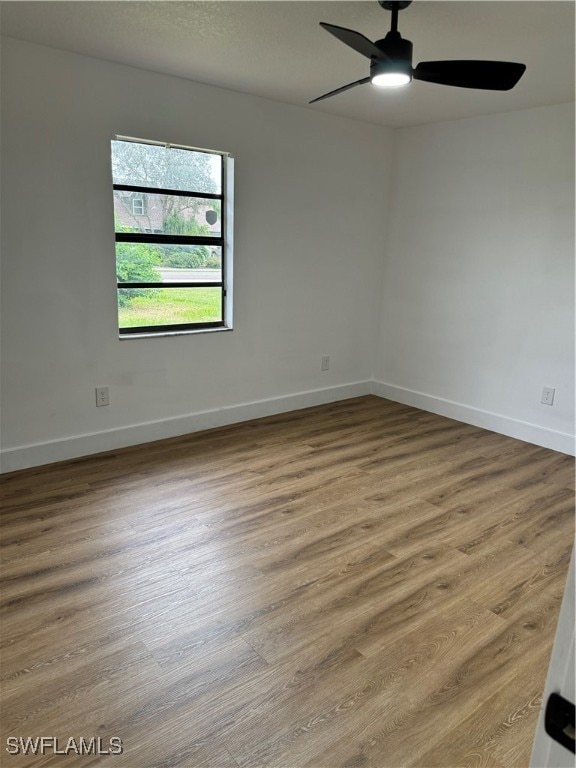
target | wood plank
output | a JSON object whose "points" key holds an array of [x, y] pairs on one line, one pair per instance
{"points": [[354, 584]]}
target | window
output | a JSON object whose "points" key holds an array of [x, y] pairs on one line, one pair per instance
{"points": [[173, 261], [138, 206]]}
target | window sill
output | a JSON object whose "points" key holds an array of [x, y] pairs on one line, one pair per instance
{"points": [[188, 332]]}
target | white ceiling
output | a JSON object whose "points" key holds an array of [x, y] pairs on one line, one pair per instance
{"points": [[277, 50]]}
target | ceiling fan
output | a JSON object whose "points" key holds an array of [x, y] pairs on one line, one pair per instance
{"points": [[391, 62]]}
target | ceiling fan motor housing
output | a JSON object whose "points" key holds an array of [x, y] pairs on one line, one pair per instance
{"points": [[398, 52]]}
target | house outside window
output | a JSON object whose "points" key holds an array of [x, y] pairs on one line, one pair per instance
{"points": [[173, 230]]}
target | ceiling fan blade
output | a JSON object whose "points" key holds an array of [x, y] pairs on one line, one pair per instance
{"points": [[339, 90], [488, 75], [355, 40]]}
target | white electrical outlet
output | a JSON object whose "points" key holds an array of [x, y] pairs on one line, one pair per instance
{"points": [[548, 396], [325, 363], [102, 396]]}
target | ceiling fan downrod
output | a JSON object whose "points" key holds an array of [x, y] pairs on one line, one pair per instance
{"points": [[395, 7]]}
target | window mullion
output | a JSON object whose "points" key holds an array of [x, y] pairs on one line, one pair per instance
{"points": [[149, 237], [164, 191]]}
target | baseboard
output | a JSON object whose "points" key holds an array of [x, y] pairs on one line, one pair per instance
{"points": [[35, 455], [75, 446], [495, 422]]}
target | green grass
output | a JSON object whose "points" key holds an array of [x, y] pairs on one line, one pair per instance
{"points": [[171, 306]]}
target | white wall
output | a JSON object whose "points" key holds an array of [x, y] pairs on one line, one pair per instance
{"points": [[453, 293], [310, 192], [477, 295]]}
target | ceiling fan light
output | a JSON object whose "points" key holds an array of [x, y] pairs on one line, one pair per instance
{"points": [[391, 79]]}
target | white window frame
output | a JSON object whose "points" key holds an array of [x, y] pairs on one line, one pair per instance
{"points": [[225, 242]]}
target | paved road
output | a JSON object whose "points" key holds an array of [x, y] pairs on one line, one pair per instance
{"points": [[171, 275]]}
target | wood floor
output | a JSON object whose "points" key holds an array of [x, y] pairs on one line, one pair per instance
{"points": [[358, 584]]}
